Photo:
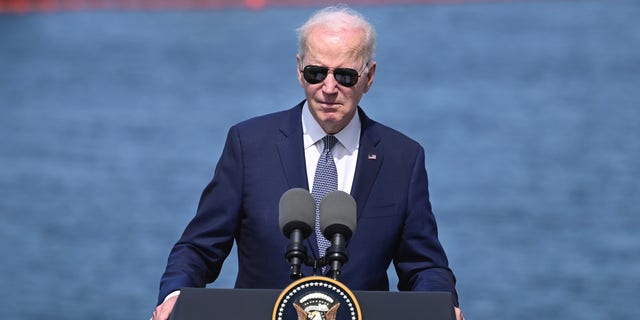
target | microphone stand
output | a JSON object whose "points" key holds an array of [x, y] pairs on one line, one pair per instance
{"points": [[336, 255], [296, 254]]}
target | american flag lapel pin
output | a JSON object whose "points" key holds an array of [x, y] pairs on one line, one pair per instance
{"points": [[371, 156]]}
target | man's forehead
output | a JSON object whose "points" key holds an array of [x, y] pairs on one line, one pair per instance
{"points": [[349, 42], [336, 33]]}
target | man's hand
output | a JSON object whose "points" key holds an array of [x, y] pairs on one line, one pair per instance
{"points": [[459, 315], [163, 311]]}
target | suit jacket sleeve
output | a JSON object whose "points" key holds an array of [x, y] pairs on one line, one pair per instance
{"points": [[420, 260], [196, 259]]}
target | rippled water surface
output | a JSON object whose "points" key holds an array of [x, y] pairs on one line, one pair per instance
{"points": [[111, 124]]}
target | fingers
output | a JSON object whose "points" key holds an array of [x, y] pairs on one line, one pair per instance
{"points": [[459, 315], [163, 311], [160, 313]]}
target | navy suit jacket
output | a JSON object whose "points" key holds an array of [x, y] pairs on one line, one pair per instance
{"points": [[263, 157]]}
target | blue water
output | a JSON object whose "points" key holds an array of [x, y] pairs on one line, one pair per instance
{"points": [[111, 124]]}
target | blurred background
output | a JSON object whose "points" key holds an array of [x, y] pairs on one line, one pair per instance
{"points": [[113, 115]]}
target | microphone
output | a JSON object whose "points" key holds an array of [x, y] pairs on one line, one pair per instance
{"points": [[297, 218], [337, 222]]}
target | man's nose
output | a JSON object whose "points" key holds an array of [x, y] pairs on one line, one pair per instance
{"points": [[330, 85]]}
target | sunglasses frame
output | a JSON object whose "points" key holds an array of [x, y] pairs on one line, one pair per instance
{"points": [[338, 73]]}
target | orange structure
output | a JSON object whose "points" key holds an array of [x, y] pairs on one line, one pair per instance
{"points": [[27, 6]]}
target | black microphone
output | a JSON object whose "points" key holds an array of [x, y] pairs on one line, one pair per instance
{"points": [[297, 218], [337, 222]]}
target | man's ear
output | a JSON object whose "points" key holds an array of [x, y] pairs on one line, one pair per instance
{"points": [[370, 75], [298, 64]]}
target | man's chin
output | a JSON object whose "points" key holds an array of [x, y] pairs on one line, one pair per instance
{"points": [[331, 125]]}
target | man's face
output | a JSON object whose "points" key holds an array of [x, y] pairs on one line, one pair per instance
{"points": [[333, 105]]}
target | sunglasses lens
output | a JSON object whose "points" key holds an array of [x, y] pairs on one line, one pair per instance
{"points": [[346, 77], [314, 74]]}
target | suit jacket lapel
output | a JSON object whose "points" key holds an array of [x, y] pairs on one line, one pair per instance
{"points": [[291, 149], [369, 162]]}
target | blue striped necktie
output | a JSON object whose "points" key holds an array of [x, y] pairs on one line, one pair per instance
{"points": [[325, 181]]}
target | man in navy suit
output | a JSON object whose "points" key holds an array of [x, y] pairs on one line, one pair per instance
{"points": [[264, 157]]}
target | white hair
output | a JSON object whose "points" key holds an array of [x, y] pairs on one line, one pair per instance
{"points": [[339, 17]]}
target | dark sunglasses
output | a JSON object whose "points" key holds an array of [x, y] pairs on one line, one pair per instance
{"points": [[344, 76]]}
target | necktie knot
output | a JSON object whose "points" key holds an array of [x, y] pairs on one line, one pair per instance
{"points": [[329, 142]]}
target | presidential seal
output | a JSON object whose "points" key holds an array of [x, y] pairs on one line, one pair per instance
{"points": [[316, 298]]}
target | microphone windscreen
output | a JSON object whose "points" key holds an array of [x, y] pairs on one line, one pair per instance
{"points": [[297, 211], [338, 214]]}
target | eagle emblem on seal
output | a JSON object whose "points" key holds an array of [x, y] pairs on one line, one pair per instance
{"points": [[316, 306]]}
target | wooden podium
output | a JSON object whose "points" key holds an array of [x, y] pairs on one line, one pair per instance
{"points": [[255, 304]]}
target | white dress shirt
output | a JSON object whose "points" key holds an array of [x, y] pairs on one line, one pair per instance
{"points": [[345, 152]]}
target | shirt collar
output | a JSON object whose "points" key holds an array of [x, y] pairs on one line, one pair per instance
{"points": [[349, 137]]}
